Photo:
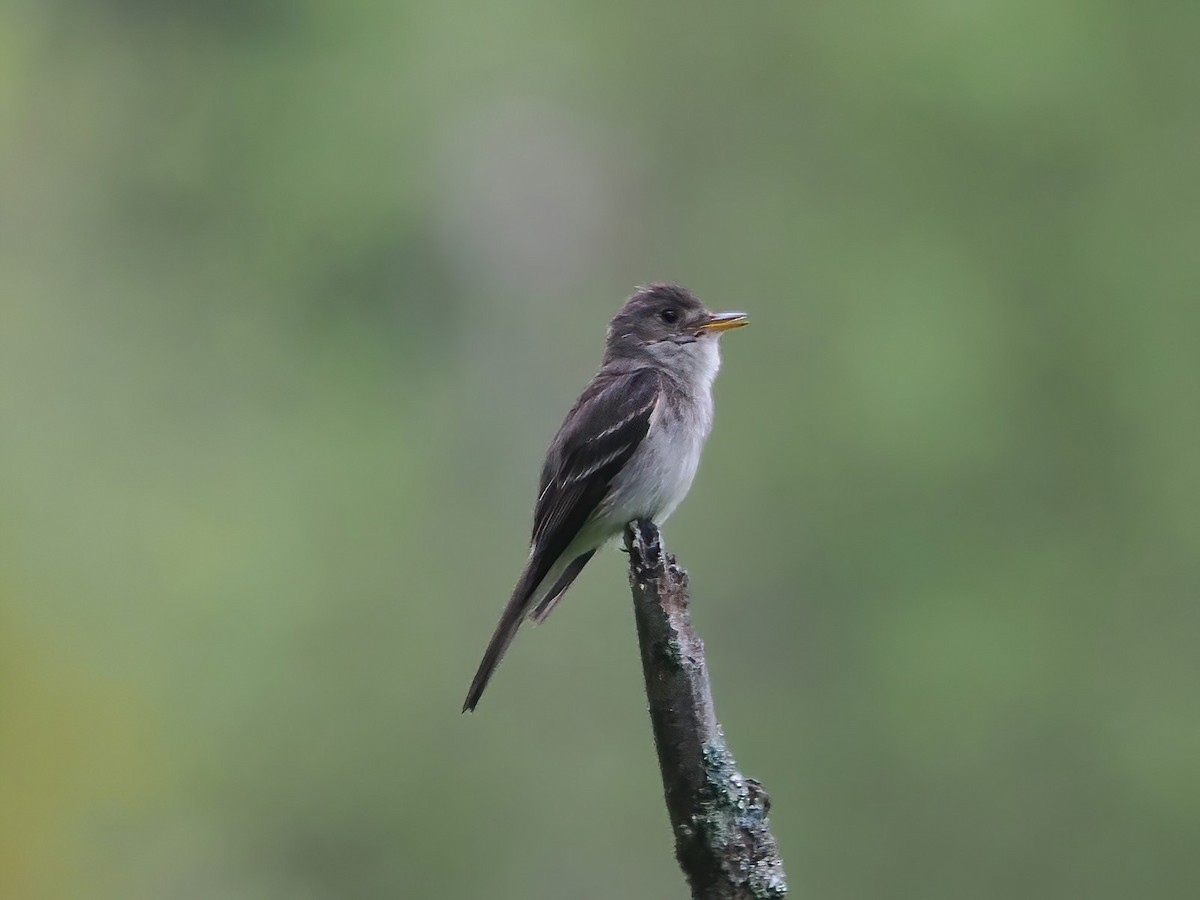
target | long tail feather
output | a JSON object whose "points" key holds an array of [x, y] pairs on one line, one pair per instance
{"points": [[570, 573], [506, 628]]}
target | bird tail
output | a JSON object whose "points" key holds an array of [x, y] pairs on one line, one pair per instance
{"points": [[546, 605], [506, 628]]}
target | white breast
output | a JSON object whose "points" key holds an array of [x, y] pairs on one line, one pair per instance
{"points": [[658, 476]]}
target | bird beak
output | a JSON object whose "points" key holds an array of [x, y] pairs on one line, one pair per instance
{"points": [[717, 322]]}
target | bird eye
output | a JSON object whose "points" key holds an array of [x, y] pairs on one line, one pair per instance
{"points": [[670, 315]]}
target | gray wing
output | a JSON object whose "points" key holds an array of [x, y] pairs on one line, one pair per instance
{"points": [[595, 442], [599, 435]]}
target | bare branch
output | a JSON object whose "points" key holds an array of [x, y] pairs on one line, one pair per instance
{"points": [[722, 836]]}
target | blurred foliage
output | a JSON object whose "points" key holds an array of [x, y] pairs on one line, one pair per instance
{"points": [[293, 295]]}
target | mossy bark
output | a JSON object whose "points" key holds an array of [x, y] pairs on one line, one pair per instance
{"points": [[722, 836]]}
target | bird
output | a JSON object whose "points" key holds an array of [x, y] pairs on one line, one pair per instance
{"points": [[628, 449]]}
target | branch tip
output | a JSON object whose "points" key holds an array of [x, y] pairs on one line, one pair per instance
{"points": [[722, 837]]}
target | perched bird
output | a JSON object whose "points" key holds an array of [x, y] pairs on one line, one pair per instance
{"points": [[627, 450]]}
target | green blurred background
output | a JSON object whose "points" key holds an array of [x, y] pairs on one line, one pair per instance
{"points": [[293, 296]]}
